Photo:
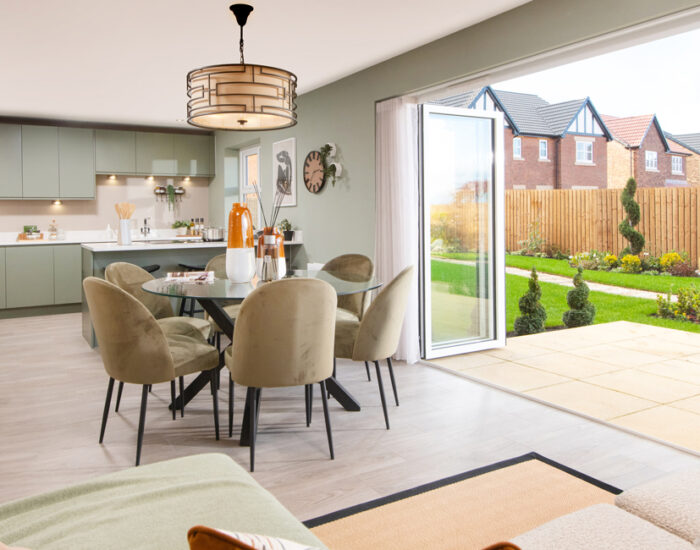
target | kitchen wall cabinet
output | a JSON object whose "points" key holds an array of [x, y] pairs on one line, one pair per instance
{"points": [[67, 274], [40, 174], [29, 276], [155, 154], [10, 161], [76, 162], [115, 152], [193, 154], [3, 305]]}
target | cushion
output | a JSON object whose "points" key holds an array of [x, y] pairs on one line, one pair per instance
{"points": [[231, 311], [150, 507], [191, 354], [345, 315], [181, 325], [671, 502], [345, 336], [206, 538], [601, 526]]}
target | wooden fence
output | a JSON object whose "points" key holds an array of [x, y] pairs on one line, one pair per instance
{"points": [[583, 220]]}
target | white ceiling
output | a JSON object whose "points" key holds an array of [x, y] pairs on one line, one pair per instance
{"points": [[126, 61]]}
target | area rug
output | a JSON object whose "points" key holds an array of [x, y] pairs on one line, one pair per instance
{"points": [[467, 511]]}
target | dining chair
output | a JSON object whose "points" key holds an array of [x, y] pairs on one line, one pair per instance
{"points": [[352, 267], [283, 337], [136, 350], [130, 278], [376, 336]]}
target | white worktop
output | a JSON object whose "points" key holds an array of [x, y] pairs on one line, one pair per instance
{"points": [[80, 237], [147, 246]]}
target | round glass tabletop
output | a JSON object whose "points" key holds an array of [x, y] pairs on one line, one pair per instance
{"points": [[223, 289]]}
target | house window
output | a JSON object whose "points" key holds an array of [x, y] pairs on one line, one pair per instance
{"points": [[650, 161], [518, 148], [677, 165], [584, 152], [543, 149]]}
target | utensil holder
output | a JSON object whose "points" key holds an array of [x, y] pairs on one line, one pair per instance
{"points": [[124, 232]]}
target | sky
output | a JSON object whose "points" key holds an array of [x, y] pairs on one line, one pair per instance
{"points": [[661, 77]]}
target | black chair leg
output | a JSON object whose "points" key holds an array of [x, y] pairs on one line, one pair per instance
{"points": [[393, 381], [369, 376], [142, 422], [119, 396], [327, 418], [309, 388], [150, 388], [105, 413], [252, 403], [172, 396], [213, 373], [381, 393], [328, 394], [182, 307], [230, 406], [182, 396]]}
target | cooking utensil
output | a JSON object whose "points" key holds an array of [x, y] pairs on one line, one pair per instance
{"points": [[213, 234]]}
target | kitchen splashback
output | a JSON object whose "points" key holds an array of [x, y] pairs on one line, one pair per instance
{"points": [[96, 214]]}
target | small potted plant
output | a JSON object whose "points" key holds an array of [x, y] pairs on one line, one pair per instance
{"points": [[286, 228]]}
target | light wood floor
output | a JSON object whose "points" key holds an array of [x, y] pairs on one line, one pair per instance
{"points": [[52, 388]]}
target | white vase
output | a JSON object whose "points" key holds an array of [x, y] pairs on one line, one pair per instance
{"points": [[240, 264], [124, 232]]}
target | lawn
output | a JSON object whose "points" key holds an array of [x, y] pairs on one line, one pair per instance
{"points": [[654, 283], [609, 307]]}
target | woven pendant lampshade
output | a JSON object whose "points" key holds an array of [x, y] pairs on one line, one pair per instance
{"points": [[241, 96]]}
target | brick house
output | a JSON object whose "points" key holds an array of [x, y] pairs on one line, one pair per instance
{"points": [[640, 149], [690, 144], [546, 146]]}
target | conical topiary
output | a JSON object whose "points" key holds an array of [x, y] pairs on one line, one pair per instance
{"points": [[533, 314], [626, 227], [582, 311]]}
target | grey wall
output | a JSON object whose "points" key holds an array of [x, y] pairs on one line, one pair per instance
{"points": [[341, 219]]}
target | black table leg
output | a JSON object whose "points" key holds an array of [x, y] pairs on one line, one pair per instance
{"points": [[225, 323], [342, 396]]}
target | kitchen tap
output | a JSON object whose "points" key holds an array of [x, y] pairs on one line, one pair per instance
{"points": [[145, 230]]}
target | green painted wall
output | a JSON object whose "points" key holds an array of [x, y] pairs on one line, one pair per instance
{"points": [[341, 219]]}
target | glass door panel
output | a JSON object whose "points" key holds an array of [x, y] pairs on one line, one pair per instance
{"points": [[463, 265]]}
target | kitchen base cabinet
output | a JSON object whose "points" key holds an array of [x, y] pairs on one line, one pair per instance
{"points": [[67, 274], [29, 276]]}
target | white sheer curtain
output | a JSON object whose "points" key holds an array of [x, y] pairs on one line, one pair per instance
{"points": [[396, 238]]}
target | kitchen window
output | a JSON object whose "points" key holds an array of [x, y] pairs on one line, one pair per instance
{"points": [[543, 149], [651, 161], [677, 165], [517, 148], [584, 152], [250, 175]]}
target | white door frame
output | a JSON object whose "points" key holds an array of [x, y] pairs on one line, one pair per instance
{"points": [[497, 273]]}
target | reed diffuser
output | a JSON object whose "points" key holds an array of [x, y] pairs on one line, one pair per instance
{"points": [[270, 262]]}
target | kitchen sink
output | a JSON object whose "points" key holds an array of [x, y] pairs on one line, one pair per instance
{"points": [[169, 241]]}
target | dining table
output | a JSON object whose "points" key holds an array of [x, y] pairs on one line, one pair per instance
{"points": [[214, 295]]}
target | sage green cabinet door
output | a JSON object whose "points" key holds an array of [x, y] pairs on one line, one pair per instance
{"points": [[29, 276], [40, 162], [10, 161], [2, 279], [115, 152], [76, 163], [193, 155], [67, 274], [155, 154]]}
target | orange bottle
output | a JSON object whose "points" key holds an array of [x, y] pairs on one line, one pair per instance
{"points": [[240, 253]]}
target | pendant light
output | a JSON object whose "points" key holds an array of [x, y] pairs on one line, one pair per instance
{"points": [[241, 96]]}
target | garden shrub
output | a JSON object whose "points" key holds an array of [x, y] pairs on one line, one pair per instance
{"points": [[533, 313], [626, 227], [587, 260], [683, 269], [668, 260], [687, 307], [534, 244], [611, 261], [582, 312], [631, 264]]}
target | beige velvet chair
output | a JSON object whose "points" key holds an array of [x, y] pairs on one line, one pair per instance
{"points": [[136, 350], [352, 267], [376, 336], [283, 337]]}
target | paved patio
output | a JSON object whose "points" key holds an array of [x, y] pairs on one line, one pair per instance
{"points": [[641, 377]]}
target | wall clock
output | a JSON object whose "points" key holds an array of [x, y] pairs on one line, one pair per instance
{"points": [[314, 172]]}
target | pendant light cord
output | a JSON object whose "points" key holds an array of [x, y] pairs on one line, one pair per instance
{"points": [[241, 46]]}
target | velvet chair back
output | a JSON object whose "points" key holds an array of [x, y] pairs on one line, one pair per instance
{"points": [[352, 267], [129, 278]]}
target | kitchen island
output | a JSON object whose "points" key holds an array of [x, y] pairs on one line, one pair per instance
{"points": [[166, 253]]}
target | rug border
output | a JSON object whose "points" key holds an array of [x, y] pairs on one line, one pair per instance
{"points": [[345, 512]]}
